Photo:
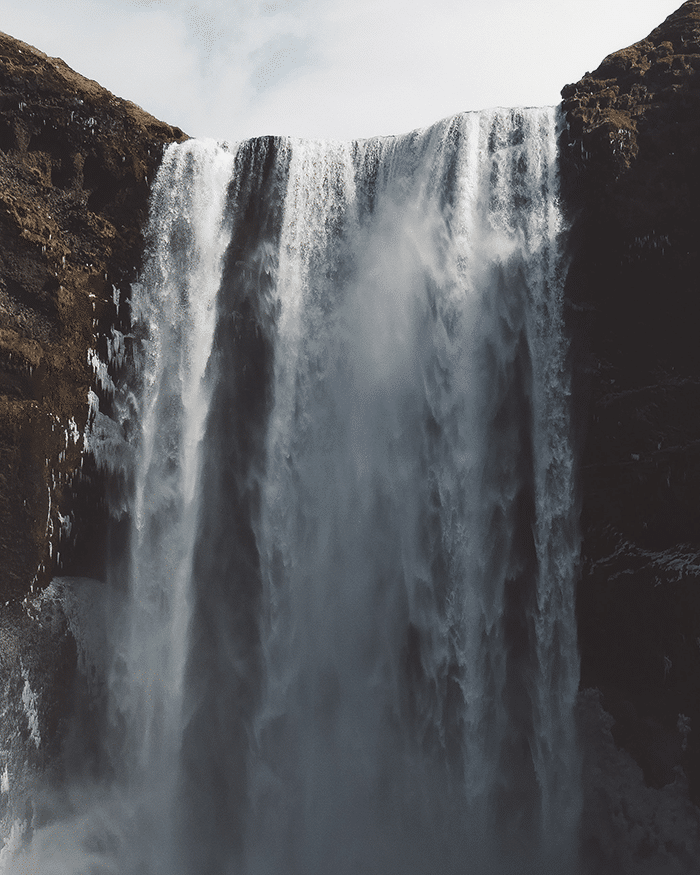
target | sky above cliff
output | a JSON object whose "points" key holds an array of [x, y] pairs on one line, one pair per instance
{"points": [[231, 69]]}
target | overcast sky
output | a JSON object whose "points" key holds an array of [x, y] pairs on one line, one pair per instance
{"points": [[232, 69]]}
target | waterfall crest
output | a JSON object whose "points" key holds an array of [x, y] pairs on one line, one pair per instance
{"points": [[350, 644]]}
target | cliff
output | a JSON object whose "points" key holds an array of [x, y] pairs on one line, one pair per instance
{"points": [[75, 168], [632, 181]]}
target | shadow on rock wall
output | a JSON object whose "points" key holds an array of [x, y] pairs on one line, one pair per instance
{"points": [[631, 161]]}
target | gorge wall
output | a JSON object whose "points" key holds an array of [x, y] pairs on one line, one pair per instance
{"points": [[75, 166], [632, 170]]}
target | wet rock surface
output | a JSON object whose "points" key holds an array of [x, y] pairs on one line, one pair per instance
{"points": [[632, 180], [37, 675]]}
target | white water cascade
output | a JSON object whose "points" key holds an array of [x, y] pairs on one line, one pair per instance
{"points": [[349, 641]]}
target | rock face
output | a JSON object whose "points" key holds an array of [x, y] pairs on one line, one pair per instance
{"points": [[75, 168], [632, 173]]}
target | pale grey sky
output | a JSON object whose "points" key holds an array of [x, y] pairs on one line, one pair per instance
{"points": [[232, 69]]}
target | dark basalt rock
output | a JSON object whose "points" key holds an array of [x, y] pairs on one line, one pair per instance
{"points": [[632, 180]]}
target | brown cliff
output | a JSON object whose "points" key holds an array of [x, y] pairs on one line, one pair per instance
{"points": [[75, 168], [632, 176]]}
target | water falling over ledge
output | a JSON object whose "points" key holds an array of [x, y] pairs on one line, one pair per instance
{"points": [[349, 643]]}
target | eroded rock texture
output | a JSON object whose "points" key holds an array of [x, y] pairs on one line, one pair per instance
{"points": [[632, 168], [75, 167]]}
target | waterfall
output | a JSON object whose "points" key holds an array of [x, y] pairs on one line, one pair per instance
{"points": [[349, 641], [175, 305]]}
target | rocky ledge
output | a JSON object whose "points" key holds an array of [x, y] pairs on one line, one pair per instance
{"points": [[632, 179]]}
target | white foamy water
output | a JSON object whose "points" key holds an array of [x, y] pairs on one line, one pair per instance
{"points": [[349, 641]]}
